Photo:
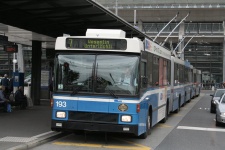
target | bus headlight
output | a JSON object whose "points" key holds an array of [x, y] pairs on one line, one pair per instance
{"points": [[61, 114], [126, 118]]}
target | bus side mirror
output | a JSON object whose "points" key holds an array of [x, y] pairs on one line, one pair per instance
{"points": [[144, 81]]}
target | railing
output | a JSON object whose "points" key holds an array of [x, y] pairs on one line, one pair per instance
{"points": [[204, 28]]}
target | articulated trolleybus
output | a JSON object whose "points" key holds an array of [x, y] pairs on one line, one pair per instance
{"points": [[108, 83]]}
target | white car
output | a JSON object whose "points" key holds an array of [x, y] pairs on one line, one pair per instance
{"points": [[215, 97], [220, 110]]}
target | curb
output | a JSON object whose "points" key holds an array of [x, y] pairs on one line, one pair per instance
{"points": [[41, 140]]}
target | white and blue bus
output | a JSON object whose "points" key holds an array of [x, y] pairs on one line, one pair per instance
{"points": [[197, 75], [106, 82], [181, 82]]}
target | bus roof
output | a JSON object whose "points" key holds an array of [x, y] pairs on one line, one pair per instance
{"points": [[105, 33]]}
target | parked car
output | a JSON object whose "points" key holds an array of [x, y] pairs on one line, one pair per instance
{"points": [[220, 110], [215, 97]]}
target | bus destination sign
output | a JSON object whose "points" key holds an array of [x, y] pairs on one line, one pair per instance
{"points": [[91, 43]]}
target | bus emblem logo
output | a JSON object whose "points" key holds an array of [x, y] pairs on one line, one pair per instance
{"points": [[123, 107]]}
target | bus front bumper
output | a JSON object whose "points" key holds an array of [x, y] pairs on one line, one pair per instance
{"points": [[57, 125]]}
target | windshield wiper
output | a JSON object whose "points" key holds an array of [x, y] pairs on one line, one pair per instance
{"points": [[112, 78], [76, 90], [110, 91]]}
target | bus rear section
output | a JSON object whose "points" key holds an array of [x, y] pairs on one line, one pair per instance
{"points": [[197, 82]]}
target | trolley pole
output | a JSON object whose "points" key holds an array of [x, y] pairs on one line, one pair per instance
{"points": [[174, 29], [186, 45], [165, 26]]}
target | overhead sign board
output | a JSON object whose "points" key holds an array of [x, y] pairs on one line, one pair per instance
{"points": [[11, 48]]}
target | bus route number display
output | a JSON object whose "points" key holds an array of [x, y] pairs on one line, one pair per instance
{"points": [[104, 44]]}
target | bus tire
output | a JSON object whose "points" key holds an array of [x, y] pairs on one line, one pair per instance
{"points": [[148, 128], [185, 97], [178, 109], [217, 122], [188, 101], [195, 94], [198, 93]]}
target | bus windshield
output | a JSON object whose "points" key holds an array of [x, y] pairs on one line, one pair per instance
{"points": [[92, 73]]}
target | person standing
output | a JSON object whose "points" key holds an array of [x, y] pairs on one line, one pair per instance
{"points": [[10, 85], [5, 83], [20, 98], [3, 101]]}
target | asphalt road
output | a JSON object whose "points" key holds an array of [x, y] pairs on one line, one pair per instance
{"points": [[196, 131], [193, 128]]}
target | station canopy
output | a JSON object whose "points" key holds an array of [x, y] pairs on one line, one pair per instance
{"points": [[54, 18]]}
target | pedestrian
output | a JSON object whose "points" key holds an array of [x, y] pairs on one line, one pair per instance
{"points": [[223, 85], [20, 98], [3, 100], [10, 85], [5, 83]]}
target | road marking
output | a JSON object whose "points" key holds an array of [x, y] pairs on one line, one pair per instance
{"points": [[101, 146], [139, 145], [207, 109], [200, 129], [163, 126]]}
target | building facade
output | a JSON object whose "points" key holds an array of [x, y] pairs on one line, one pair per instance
{"points": [[198, 27]]}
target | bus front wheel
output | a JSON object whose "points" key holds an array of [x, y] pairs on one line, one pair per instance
{"points": [[148, 128]]}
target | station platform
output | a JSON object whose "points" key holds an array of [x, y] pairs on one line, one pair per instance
{"points": [[23, 129]]}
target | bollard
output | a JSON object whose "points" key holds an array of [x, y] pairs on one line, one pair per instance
{"points": [[29, 100], [28, 90], [213, 88]]}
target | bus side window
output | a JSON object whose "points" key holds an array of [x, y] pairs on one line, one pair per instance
{"points": [[144, 79]]}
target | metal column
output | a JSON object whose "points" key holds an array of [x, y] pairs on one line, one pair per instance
{"points": [[140, 25], [224, 52], [36, 72]]}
